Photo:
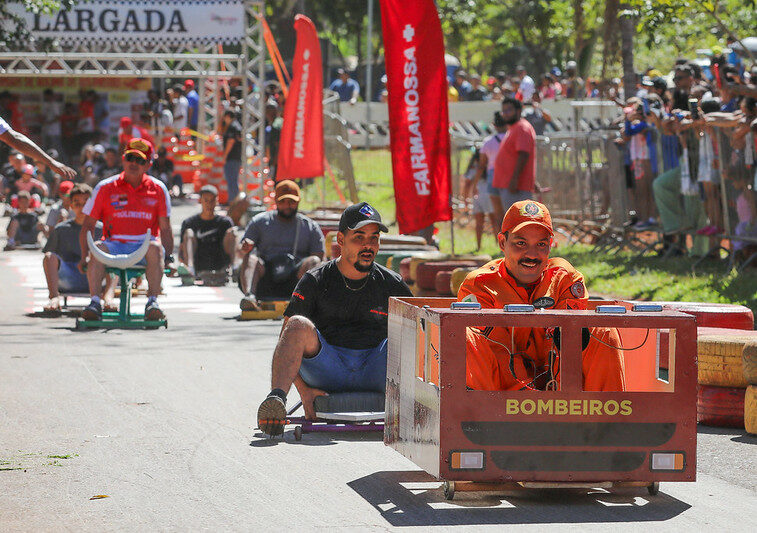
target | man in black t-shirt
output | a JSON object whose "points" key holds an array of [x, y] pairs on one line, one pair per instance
{"points": [[207, 239], [334, 336], [232, 152]]}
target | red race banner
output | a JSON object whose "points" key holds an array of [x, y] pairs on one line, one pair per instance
{"points": [[301, 144], [418, 114]]}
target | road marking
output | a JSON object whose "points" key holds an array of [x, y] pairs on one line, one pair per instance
{"points": [[191, 299]]}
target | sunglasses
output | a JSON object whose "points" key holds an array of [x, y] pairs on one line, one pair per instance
{"points": [[134, 158]]}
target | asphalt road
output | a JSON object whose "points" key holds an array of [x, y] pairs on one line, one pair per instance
{"points": [[162, 423]]}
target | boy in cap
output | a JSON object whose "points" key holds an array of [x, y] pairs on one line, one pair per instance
{"points": [[334, 336], [528, 358], [279, 247]]}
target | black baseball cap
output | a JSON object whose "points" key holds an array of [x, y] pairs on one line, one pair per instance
{"points": [[359, 215]]}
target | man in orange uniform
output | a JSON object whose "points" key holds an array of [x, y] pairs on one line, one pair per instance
{"points": [[527, 358]]}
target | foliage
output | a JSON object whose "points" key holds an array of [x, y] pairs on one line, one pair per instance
{"points": [[13, 30]]}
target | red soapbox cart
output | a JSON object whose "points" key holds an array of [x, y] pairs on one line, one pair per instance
{"points": [[490, 440]]}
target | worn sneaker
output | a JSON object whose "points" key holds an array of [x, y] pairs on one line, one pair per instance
{"points": [[249, 303], [272, 415], [153, 311], [93, 311]]}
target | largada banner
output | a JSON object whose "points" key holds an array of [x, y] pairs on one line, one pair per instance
{"points": [[156, 21], [418, 115], [301, 144]]}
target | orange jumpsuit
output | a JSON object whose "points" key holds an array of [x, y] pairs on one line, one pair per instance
{"points": [[491, 367]]}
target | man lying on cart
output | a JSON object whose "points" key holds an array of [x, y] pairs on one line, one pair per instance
{"points": [[528, 358], [334, 337]]}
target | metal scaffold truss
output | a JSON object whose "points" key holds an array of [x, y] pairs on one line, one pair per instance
{"points": [[155, 65]]}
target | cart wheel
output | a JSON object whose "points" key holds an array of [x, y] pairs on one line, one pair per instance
{"points": [[298, 433], [449, 490], [653, 488]]}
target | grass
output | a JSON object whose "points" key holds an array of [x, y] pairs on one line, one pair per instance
{"points": [[621, 275]]}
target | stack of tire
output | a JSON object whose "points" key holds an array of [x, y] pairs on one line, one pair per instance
{"points": [[721, 382], [723, 330], [749, 365], [435, 276]]}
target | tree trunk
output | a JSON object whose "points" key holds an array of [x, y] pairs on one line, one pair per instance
{"points": [[578, 25], [609, 37], [627, 31]]}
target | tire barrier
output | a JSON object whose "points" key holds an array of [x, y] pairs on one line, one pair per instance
{"points": [[750, 409], [720, 356], [426, 271], [404, 269], [720, 406], [728, 316], [749, 363], [458, 276], [442, 283]]}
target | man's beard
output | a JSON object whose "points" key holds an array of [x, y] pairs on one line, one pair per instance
{"points": [[363, 268], [511, 121], [289, 215]]}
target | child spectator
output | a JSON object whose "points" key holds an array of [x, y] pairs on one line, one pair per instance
{"points": [[30, 183], [59, 211], [643, 154], [708, 170], [22, 228], [63, 251]]}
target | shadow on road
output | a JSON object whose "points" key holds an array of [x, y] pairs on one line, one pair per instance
{"points": [[739, 435], [260, 440], [413, 498]]}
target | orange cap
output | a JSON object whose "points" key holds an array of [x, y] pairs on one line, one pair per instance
{"points": [[287, 189], [526, 212]]}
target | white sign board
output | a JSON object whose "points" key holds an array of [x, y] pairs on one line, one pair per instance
{"points": [[147, 22]]}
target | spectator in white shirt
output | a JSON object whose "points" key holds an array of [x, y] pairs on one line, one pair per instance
{"points": [[180, 107], [527, 86]]}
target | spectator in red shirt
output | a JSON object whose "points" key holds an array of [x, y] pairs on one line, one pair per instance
{"points": [[129, 204], [515, 164]]}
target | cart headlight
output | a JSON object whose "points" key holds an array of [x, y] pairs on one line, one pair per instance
{"points": [[467, 460], [668, 461]]}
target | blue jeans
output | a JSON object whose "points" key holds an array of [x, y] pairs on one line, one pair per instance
{"points": [[118, 247], [508, 198], [337, 369], [70, 279], [231, 173]]}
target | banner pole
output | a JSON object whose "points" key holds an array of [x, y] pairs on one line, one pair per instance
{"points": [[452, 233], [369, 76]]}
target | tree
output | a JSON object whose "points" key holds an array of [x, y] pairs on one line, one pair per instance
{"points": [[13, 31]]}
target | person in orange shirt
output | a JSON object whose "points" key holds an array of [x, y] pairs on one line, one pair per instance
{"points": [[528, 358]]}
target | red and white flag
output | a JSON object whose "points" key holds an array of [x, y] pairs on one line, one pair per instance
{"points": [[301, 143], [418, 114]]}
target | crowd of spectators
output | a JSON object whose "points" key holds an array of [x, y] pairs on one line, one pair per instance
{"points": [[686, 141], [464, 87], [680, 135]]}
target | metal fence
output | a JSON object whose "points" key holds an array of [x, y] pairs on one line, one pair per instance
{"points": [[586, 172]]}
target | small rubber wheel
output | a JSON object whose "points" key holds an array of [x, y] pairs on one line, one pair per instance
{"points": [[298, 433], [449, 490], [653, 488]]}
